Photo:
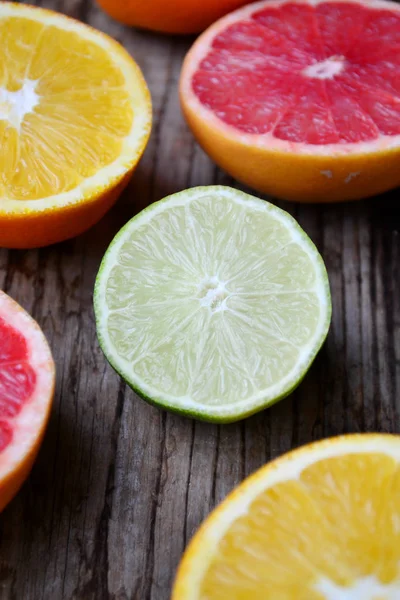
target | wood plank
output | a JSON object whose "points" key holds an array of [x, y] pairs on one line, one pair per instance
{"points": [[120, 487]]}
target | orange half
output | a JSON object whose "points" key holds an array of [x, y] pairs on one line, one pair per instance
{"points": [[320, 523], [169, 16], [75, 116]]}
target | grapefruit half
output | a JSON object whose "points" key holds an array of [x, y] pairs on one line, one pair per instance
{"points": [[27, 377], [300, 100]]}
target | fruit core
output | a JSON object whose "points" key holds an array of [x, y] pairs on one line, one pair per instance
{"points": [[15, 105], [17, 379], [323, 73], [326, 69], [212, 294]]}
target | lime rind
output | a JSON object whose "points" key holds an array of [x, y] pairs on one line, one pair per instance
{"points": [[220, 413]]}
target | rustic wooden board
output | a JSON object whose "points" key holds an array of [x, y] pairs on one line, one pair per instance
{"points": [[119, 486]]}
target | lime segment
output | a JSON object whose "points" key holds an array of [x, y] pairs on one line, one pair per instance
{"points": [[212, 303]]}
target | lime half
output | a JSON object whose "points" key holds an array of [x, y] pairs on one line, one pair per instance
{"points": [[212, 303]]}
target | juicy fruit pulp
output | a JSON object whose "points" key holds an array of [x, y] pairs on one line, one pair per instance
{"points": [[75, 116], [300, 100], [319, 524], [315, 74], [17, 379], [27, 377], [63, 114], [212, 303]]}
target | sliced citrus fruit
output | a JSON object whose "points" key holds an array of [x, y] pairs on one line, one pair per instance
{"points": [[300, 99], [212, 303], [75, 116], [320, 523], [27, 377], [179, 16]]}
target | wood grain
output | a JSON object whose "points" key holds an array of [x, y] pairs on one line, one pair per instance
{"points": [[119, 486]]}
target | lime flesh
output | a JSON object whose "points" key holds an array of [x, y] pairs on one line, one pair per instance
{"points": [[212, 303]]}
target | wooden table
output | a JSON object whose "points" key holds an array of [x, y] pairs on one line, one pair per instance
{"points": [[119, 486]]}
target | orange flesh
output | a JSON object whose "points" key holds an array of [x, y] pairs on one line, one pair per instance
{"points": [[338, 522], [56, 128]]}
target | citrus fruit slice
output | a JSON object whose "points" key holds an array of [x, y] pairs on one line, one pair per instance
{"points": [[179, 16], [300, 99], [75, 116], [27, 377], [320, 523], [212, 303]]}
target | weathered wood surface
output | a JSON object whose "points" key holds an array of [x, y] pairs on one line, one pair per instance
{"points": [[119, 486]]}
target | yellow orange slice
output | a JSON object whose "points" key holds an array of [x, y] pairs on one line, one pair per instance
{"points": [[75, 116], [27, 377], [321, 523]]}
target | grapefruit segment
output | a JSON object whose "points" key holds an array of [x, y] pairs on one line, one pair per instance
{"points": [[309, 119], [340, 25], [385, 114], [306, 86], [352, 122], [295, 23], [26, 390]]}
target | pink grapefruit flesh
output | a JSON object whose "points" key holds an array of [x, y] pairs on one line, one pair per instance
{"points": [[26, 391], [322, 74], [318, 78]]}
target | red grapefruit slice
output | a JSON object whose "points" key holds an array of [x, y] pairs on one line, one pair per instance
{"points": [[27, 377], [300, 99]]}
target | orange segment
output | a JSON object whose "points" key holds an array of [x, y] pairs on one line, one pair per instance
{"points": [[75, 117], [319, 523]]}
